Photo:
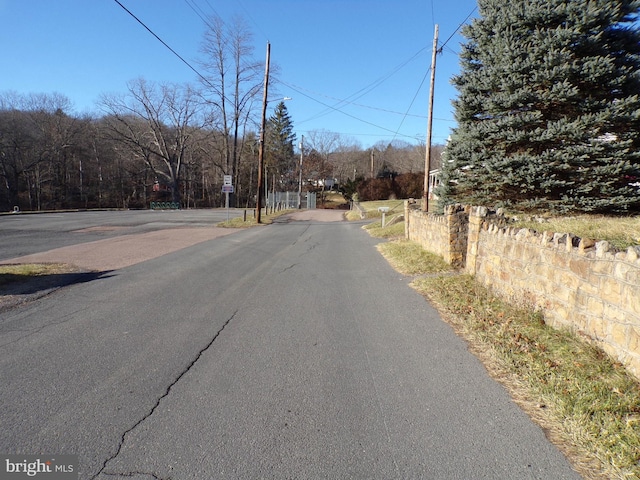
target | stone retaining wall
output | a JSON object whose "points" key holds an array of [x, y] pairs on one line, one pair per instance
{"points": [[446, 235], [579, 284]]}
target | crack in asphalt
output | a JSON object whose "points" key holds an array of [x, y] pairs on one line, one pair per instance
{"points": [[27, 332], [300, 236], [289, 267], [157, 404], [137, 474]]}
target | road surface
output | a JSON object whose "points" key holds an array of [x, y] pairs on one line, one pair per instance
{"points": [[286, 351]]}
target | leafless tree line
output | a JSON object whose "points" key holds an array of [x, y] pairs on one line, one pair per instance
{"points": [[156, 143], [166, 142]]}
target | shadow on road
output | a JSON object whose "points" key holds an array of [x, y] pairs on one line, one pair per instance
{"points": [[15, 288]]}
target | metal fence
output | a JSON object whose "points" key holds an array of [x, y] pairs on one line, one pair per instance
{"points": [[289, 200], [165, 205]]}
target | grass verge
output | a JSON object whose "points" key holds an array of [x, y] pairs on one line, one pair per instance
{"points": [[239, 222], [411, 259], [396, 207], [622, 232], [375, 230], [588, 404], [12, 274]]}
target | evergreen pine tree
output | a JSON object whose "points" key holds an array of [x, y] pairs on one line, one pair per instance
{"points": [[279, 145], [548, 110]]}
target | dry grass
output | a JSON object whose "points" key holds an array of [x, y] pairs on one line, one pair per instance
{"points": [[371, 208], [239, 222], [10, 274], [411, 259], [392, 231], [332, 200], [588, 404], [621, 232]]}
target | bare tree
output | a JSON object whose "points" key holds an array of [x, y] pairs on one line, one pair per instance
{"points": [[156, 123], [347, 159], [39, 145], [324, 143], [232, 85]]}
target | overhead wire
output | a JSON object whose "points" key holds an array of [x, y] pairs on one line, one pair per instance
{"points": [[328, 108], [164, 43], [438, 50], [364, 90], [458, 29], [343, 112], [367, 89]]}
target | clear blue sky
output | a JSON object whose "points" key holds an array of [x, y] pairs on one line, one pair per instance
{"points": [[375, 54]]}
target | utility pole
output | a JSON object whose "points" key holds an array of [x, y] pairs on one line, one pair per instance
{"points": [[427, 159], [300, 173], [371, 181], [372, 157], [261, 146]]}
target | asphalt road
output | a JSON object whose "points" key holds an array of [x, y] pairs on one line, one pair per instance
{"points": [[286, 351], [29, 233]]}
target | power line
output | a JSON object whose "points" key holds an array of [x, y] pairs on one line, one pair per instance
{"points": [[164, 43], [347, 102], [344, 113], [412, 102], [457, 29], [363, 91]]}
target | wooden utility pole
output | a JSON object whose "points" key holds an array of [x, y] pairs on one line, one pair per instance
{"points": [[300, 173], [372, 157], [261, 146], [371, 181], [427, 159]]}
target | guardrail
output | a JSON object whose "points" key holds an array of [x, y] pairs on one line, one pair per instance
{"points": [[165, 205]]}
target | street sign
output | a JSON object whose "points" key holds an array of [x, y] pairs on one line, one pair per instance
{"points": [[227, 189], [228, 180]]}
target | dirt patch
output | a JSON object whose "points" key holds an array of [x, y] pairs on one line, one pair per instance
{"points": [[125, 250], [102, 228], [85, 261], [317, 215]]}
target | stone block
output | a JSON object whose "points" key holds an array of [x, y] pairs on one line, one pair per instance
{"points": [[582, 300], [603, 267], [580, 321], [619, 335], [568, 280], [595, 306], [585, 245], [579, 266], [633, 365], [560, 314], [621, 268], [559, 238], [633, 277], [634, 340], [566, 295], [602, 248], [610, 291], [597, 328], [615, 314], [632, 300], [558, 259]]}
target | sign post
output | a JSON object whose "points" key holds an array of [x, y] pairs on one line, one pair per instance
{"points": [[227, 188]]}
